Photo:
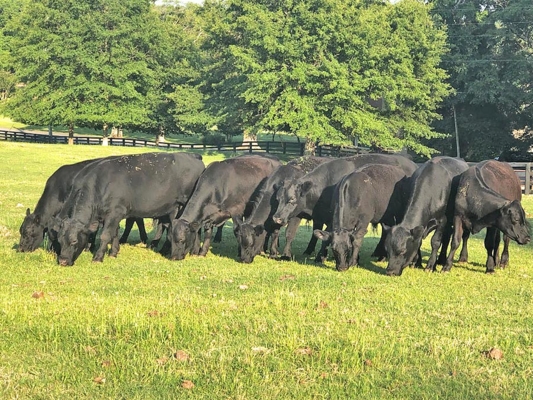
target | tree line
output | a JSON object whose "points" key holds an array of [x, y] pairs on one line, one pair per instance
{"points": [[441, 76]]}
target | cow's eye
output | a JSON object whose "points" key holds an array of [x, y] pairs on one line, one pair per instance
{"points": [[74, 242]]}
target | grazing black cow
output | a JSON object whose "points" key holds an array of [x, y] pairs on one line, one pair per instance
{"points": [[489, 196], [134, 186], [223, 191], [430, 206], [374, 194], [252, 232], [312, 194], [56, 191]]}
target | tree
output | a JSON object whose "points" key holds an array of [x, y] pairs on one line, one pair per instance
{"points": [[314, 68], [85, 63], [491, 69]]}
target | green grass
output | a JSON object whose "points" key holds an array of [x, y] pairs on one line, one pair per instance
{"points": [[268, 330]]}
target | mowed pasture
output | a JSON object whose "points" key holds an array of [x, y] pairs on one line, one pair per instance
{"points": [[143, 327]]}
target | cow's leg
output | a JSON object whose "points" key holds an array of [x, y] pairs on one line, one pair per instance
{"points": [[218, 235], [142, 230], [436, 242], [463, 257], [505, 253], [208, 232], [356, 245], [322, 254], [290, 234], [127, 230], [490, 246], [272, 238], [456, 241], [159, 229], [115, 245], [380, 251], [274, 243], [448, 231], [312, 243], [108, 233]]}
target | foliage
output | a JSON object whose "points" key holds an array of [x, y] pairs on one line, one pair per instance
{"points": [[491, 68], [213, 138], [140, 326], [88, 63], [314, 68]]}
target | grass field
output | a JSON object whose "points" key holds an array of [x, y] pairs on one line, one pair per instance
{"points": [[143, 327]]}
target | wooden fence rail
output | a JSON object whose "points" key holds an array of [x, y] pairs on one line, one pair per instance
{"points": [[294, 149]]}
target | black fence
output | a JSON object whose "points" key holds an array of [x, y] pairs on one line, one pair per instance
{"points": [[294, 149]]}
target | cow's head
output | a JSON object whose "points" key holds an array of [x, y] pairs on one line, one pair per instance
{"points": [[341, 245], [402, 246], [289, 197], [251, 240], [183, 239], [73, 236], [513, 223], [31, 232]]}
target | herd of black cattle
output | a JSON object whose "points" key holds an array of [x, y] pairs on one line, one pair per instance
{"points": [[261, 195]]}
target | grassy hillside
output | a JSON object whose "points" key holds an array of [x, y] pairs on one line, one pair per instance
{"points": [[143, 327]]}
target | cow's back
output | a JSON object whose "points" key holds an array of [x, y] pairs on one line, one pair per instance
{"points": [[227, 186], [500, 177], [150, 184], [432, 186]]}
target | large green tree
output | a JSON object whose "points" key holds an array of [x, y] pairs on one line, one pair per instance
{"points": [[490, 64], [328, 70], [83, 62]]}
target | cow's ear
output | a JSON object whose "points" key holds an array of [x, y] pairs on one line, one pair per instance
{"points": [[259, 229], [28, 212], [417, 232], [93, 226], [322, 235], [304, 188], [386, 228]]}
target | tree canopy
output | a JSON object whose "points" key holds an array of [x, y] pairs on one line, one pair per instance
{"points": [[491, 69], [389, 75], [317, 69]]}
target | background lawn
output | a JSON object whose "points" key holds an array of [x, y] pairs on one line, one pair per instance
{"points": [[142, 327]]}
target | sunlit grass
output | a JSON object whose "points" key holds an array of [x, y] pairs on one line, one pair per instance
{"points": [[267, 330]]}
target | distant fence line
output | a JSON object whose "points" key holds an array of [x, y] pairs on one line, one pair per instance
{"points": [[286, 148], [522, 169]]}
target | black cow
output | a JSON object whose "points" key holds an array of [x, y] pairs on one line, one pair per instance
{"points": [[252, 232], [137, 186], [56, 191], [374, 194], [223, 191], [489, 197], [430, 207], [312, 194]]}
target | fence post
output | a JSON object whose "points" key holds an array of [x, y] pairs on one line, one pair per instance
{"points": [[527, 182], [268, 147], [319, 148], [250, 145]]}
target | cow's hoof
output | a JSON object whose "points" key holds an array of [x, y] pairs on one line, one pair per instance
{"points": [[285, 258], [489, 272]]}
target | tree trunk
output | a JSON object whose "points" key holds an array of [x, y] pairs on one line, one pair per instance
{"points": [[160, 136], [310, 147], [105, 136], [71, 133], [247, 136], [50, 130]]}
